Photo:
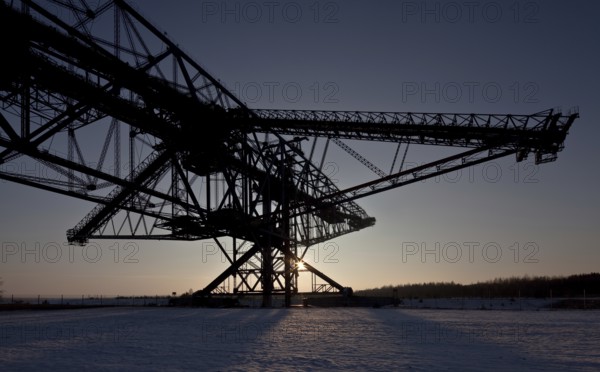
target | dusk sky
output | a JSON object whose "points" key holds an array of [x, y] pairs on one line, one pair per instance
{"points": [[497, 220]]}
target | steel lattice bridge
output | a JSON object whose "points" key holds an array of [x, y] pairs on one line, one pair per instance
{"points": [[198, 163]]}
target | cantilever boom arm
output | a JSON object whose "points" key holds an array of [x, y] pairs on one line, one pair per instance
{"points": [[488, 137], [543, 132]]}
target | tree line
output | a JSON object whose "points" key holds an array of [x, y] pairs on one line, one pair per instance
{"points": [[526, 286]]}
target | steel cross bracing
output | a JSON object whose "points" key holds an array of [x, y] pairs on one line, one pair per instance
{"points": [[83, 83]]}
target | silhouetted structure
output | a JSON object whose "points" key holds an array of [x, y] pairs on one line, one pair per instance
{"points": [[200, 164]]}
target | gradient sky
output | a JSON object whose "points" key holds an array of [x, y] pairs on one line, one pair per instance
{"points": [[499, 57]]}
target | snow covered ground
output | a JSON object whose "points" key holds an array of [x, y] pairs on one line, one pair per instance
{"points": [[299, 339]]}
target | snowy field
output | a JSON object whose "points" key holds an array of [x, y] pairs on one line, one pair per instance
{"points": [[298, 339]]}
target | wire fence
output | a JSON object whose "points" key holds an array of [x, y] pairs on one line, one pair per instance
{"points": [[85, 300]]}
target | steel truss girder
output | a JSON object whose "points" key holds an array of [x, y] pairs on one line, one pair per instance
{"points": [[543, 133]]}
